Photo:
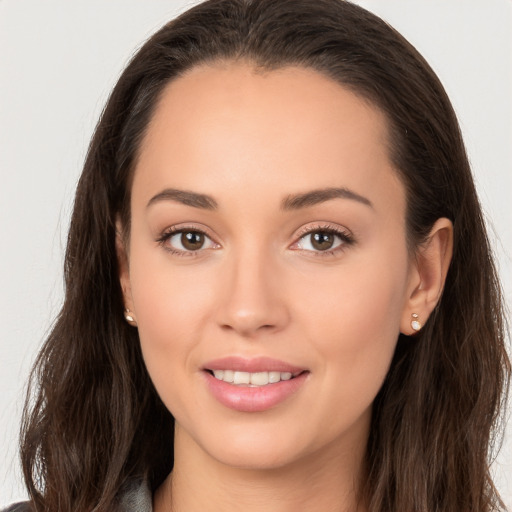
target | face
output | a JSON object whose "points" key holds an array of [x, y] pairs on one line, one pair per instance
{"points": [[267, 265]]}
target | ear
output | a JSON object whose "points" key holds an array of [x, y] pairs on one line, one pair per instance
{"points": [[427, 276], [123, 263]]}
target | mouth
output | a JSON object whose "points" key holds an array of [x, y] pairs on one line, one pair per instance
{"points": [[253, 385], [253, 379]]}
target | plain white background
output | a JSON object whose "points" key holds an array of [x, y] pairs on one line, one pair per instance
{"points": [[58, 62]]}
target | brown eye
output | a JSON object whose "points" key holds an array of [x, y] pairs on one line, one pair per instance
{"points": [[192, 240], [322, 240], [187, 241]]}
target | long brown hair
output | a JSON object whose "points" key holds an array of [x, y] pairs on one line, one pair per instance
{"points": [[93, 419]]}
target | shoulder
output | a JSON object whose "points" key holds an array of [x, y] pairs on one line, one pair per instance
{"points": [[134, 496], [18, 507]]}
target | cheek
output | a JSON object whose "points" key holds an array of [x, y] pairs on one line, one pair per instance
{"points": [[353, 316], [171, 306], [353, 329], [167, 292]]}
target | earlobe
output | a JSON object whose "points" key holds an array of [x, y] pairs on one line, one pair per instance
{"points": [[130, 317], [124, 274], [431, 264]]}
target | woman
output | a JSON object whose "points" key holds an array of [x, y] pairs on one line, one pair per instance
{"points": [[279, 290]]}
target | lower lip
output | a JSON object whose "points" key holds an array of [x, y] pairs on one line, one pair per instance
{"points": [[253, 399]]}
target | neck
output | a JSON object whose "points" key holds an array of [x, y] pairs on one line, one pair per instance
{"points": [[326, 481]]}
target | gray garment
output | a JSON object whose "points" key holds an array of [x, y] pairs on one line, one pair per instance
{"points": [[135, 496], [17, 507]]}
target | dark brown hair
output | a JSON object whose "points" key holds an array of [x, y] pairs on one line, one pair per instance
{"points": [[95, 421]]}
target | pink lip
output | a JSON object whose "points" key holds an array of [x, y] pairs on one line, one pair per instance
{"points": [[253, 399], [257, 364]]}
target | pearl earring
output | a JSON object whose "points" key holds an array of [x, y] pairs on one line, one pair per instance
{"points": [[415, 323], [128, 316]]}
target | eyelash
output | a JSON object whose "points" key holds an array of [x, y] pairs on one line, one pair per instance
{"points": [[175, 230], [345, 237]]}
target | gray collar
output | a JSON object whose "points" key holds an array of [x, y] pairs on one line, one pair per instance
{"points": [[135, 496]]}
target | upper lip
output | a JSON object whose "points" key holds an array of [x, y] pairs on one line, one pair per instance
{"points": [[252, 365]]}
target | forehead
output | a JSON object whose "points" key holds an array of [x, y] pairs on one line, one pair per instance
{"points": [[229, 125]]}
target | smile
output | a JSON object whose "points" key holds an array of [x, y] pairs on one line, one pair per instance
{"points": [[253, 385], [252, 379]]}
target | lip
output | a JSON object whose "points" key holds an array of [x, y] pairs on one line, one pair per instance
{"points": [[253, 365], [253, 399]]}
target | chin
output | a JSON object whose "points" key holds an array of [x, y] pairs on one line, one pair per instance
{"points": [[252, 448], [256, 459]]}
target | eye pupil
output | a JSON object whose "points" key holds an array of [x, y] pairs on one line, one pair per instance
{"points": [[322, 240], [192, 240]]}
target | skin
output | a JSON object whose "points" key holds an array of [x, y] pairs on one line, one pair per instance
{"points": [[258, 286]]}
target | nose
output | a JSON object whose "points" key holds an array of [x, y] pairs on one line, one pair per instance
{"points": [[253, 299]]}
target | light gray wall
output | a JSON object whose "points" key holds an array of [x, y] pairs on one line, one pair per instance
{"points": [[58, 61]]}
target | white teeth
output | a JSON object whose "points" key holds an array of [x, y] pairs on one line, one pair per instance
{"points": [[274, 377], [228, 375], [241, 378], [259, 379], [251, 379]]}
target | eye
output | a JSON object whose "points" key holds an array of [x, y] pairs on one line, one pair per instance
{"points": [[323, 240], [320, 241], [186, 241]]}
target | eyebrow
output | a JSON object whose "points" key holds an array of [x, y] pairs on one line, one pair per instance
{"points": [[185, 197], [291, 202], [314, 197]]}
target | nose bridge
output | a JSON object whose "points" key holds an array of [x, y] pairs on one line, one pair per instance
{"points": [[252, 300]]}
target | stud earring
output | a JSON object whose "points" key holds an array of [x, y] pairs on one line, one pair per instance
{"points": [[415, 323], [129, 316]]}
